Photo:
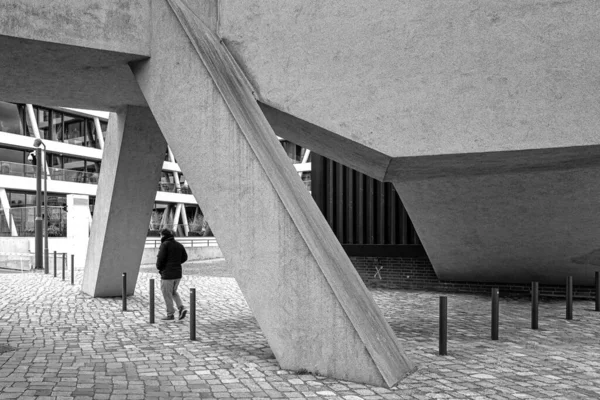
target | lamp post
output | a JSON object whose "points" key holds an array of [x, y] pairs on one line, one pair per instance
{"points": [[38, 218]]}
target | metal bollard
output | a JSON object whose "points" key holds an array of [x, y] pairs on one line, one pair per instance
{"points": [[597, 275], [46, 262], [64, 265], [124, 292], [569, 297], [72, 269], [495, 313], [151, 301], [192, 314], [55, 263], [534, 304], [443, 348]]}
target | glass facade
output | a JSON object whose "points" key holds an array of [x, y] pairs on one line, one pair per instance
{"points": [[22, 214], [63, 168], [11, 118], [52, 124], [294, 152], [72, 128]]}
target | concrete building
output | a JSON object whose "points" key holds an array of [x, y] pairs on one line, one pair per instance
{"points": [[482, 115]]}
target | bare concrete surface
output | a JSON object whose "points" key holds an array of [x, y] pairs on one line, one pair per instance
{"points": [[70, 346], [305, 294], [515, 227], [132, 163]]}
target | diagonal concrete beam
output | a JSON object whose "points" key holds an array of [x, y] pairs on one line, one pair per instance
{"points": [[305, 294], [330, 144], [131, 166]]}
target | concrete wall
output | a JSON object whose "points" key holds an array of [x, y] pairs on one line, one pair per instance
{"points": [[424, 77], [115, 25]]}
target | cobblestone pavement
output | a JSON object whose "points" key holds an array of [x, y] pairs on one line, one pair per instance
{"points": [[60, 344]]}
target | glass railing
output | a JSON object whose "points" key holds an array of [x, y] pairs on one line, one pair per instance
{"points": [[179, 230], [17, 169], [171, 188], [69, 175], [23, 219], [29, 171]]}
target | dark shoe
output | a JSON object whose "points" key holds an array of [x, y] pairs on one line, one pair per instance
{"points": [[168, 318], [182, 313]]}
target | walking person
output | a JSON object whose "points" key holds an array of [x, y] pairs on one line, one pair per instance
{"points": [[168, 262]]}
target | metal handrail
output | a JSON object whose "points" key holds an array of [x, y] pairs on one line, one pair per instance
{"points": [[207, 241], [57, 174]]}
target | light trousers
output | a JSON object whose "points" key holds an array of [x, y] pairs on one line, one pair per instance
{"points": [[169, 291]]}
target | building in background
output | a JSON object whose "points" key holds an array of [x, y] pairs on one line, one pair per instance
{"points": [[75, 140]]}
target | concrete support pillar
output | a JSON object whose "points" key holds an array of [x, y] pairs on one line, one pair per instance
{"points": [[131, 166], [184, 220], [99, 133], [176, 218], [6, 209], [303, 290]]}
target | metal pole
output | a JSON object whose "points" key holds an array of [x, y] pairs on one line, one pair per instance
{"points": [[192, 314], [495, 313], [64, 265], [72, 269], [55, 263], [124, 293], [38, 211], [597, 276], [151, 301], [443, 326], [45, 214], [534, 304], [569, 297], [46, 261]]}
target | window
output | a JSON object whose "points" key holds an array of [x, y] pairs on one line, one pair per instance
{"points": [[10, 118]]}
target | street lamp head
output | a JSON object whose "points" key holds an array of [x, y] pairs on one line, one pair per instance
{"points": [[37, 142]]}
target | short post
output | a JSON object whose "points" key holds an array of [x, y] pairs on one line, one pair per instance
{"points": [[55, 263], [124, 292], [597, 275], [443, 326], [151, 301], [569, 297], [534, 304], [72, 269], [64, 265], [192, 314], [495, 313], [46, 266]]}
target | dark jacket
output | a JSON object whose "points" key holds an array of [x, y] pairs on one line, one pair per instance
{"points": [[170, 257]]}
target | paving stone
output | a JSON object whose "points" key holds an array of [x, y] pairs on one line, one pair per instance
{"points": [[60, 344]]}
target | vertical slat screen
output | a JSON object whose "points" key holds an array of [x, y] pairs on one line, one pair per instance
{"points": [[359, 209], [349, 206], [341, 201]]}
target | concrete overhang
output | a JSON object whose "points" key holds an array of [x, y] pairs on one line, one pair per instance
{"points": [[83, 64]]}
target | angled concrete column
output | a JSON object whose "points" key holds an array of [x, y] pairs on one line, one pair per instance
{"points": [[131, 165], [308, 299]]}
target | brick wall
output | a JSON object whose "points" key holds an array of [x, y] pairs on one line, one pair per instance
{"points": [[417, 273]]}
